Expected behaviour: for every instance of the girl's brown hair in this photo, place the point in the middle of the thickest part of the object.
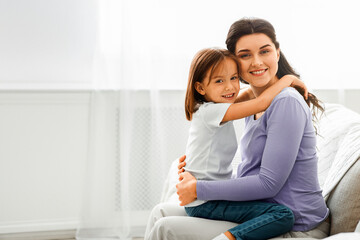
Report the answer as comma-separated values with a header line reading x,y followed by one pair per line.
x,y
204,62
247,26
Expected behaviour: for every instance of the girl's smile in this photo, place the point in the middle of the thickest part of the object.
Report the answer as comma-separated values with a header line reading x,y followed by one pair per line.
x,y
229,96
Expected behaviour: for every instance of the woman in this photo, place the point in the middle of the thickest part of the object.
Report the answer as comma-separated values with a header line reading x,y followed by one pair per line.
x,y
278,150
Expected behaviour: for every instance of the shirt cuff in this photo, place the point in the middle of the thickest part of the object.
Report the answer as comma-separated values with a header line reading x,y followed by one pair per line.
x,y
200,193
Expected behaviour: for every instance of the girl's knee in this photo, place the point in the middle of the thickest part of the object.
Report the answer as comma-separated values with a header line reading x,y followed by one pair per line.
x,y
289,214
288,218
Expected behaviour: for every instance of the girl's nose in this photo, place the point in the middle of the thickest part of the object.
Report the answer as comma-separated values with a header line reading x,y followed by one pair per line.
x,y
229,86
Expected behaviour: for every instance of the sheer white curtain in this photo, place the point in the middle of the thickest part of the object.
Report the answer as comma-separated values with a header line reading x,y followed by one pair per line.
x,y
143,53
134,121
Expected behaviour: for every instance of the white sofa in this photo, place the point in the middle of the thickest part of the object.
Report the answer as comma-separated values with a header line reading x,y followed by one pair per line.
x,y
339,170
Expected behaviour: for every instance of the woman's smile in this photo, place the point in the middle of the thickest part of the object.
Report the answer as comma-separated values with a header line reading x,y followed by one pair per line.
x,y
258,72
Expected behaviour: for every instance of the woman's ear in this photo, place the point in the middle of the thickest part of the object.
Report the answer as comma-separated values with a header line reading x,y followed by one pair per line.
x,y
199,88
278,54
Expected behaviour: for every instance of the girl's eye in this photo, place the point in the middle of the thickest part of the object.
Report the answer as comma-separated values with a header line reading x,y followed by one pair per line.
x,y
234,78
219,81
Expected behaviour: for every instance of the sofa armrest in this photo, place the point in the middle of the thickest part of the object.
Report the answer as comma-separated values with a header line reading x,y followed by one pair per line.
x,y
344,202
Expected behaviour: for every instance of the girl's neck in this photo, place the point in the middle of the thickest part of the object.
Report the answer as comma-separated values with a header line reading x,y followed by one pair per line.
x,y
258,90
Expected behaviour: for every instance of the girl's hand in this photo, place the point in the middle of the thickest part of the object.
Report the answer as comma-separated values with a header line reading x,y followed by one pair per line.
x,y
186,188
297,83
181,165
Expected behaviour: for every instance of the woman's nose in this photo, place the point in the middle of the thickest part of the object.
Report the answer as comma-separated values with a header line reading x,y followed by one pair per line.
x,y
256,61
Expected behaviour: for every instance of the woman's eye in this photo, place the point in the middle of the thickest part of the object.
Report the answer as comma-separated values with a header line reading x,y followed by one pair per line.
x,y
264,51
244,56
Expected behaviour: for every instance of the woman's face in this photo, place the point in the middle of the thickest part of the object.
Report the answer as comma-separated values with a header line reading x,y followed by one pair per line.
x,y
258,59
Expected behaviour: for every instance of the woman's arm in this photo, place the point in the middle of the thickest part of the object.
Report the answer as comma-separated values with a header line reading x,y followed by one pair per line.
x,y
244,109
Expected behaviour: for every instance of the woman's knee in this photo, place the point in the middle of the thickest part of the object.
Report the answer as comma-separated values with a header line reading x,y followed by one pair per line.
x,y
168,209
162,230
163,210
157,211
156,214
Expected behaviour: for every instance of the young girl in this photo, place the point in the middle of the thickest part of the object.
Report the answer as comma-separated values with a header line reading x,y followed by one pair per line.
x,y
211,105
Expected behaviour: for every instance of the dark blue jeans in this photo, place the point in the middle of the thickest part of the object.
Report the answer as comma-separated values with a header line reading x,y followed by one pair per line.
x,y
258,220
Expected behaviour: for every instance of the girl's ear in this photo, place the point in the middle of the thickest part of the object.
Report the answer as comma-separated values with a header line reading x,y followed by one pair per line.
x,y
199,88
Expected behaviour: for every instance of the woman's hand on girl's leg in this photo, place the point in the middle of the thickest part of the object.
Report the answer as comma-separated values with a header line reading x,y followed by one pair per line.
x,y
186,188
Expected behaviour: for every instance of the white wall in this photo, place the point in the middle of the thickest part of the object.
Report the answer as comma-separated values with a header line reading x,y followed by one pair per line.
x,y
347,97
47,44
43,150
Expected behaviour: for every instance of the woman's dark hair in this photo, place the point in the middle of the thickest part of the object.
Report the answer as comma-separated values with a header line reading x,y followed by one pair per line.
x,y
247,26
205,61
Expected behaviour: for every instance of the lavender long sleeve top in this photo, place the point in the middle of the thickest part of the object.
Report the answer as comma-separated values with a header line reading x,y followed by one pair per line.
x,y
279,163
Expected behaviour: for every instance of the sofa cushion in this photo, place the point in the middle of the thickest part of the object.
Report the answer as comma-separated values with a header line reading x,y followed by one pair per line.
x,y
344,202
338,145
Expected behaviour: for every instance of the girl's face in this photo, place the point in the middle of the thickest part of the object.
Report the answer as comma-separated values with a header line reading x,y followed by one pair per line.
x,y
258,58
223,86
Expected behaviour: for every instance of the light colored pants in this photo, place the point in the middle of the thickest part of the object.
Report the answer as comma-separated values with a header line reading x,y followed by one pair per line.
x,y
168,221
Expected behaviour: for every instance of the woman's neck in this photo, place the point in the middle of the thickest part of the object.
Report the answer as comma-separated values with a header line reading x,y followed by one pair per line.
x,y
258,90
